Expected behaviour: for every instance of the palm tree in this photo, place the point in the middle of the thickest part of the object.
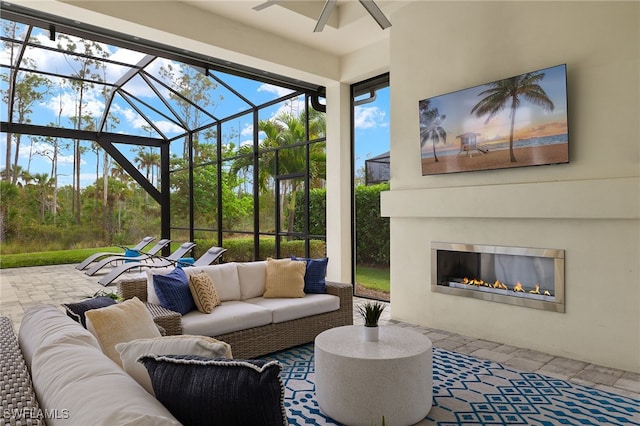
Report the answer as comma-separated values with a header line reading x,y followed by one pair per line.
x,y
281,132
507,92
430,126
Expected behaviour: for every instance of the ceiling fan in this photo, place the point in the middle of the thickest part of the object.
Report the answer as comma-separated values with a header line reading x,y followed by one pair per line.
x,y
328,7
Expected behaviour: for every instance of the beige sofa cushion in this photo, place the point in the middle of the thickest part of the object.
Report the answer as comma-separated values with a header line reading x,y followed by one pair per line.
x,y
119,323
77,382
225,278
226,318
287,309
169,345
252,276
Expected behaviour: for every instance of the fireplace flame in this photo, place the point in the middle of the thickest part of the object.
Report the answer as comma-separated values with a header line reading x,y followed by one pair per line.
x,y
500,285
518,287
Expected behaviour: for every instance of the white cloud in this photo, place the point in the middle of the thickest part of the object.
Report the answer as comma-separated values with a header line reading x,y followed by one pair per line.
x,y
279,91
293,106
168,127
247,130
369,117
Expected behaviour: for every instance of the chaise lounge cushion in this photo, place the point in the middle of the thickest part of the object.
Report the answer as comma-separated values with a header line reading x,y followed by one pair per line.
x,y
119,323
176,345
228,317
74,380
202,391
285,309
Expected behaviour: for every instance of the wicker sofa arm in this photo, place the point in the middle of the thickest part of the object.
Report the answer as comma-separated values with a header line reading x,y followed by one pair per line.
x,y
19,403
345,292
134,287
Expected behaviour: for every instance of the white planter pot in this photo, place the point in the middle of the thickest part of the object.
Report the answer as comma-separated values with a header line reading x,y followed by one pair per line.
x,y
371,334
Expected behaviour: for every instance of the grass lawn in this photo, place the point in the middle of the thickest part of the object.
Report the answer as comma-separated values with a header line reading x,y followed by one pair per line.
x,y
59,257
375,278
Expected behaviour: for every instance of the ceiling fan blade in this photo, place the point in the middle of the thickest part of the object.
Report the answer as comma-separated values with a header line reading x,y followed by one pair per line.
x,y
266,4
376,13
324,15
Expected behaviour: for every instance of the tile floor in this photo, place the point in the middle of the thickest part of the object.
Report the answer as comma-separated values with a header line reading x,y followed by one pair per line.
x,y
21,288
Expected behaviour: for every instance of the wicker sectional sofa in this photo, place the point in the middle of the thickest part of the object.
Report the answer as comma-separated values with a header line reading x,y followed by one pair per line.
x,y
55,373
292,321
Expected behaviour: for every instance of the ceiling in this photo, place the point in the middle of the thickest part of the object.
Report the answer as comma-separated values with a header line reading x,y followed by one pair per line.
x,y
349,28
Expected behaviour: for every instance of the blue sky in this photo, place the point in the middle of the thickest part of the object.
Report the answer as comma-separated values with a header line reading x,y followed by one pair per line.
x,y
372,120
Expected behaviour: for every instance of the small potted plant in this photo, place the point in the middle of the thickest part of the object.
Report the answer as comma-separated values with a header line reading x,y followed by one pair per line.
x,y
370,312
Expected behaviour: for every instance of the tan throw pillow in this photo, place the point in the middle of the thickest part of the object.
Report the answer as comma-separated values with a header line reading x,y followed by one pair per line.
x,y
204,292
285,278
169,345
122,322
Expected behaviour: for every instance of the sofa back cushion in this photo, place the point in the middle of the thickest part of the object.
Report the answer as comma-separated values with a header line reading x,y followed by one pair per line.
x,y
225,278
47,325
252,276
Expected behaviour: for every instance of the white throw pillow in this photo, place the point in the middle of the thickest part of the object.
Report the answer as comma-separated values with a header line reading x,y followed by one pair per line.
x,y
169,345
252,276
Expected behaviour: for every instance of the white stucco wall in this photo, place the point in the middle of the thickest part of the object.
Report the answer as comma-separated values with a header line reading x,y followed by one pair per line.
x,y
589,207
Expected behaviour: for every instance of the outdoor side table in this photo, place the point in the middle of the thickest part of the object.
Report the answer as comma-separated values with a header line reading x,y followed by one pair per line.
x,y
359,382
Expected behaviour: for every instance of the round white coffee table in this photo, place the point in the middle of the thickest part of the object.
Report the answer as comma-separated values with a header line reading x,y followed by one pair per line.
x,y
359,382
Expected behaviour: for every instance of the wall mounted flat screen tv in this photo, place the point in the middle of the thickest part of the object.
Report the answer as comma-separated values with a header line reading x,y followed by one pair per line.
x,y
513,122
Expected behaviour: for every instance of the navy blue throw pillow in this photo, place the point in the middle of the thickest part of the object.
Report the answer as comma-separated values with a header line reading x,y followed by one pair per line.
x,y
77,310
206,391
314,276
173,291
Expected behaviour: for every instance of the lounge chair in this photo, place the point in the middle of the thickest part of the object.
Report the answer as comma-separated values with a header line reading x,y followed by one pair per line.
x,y
96,256
120,258
158,262
210,256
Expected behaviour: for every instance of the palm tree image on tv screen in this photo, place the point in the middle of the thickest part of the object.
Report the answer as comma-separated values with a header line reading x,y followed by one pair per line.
x,y
514,122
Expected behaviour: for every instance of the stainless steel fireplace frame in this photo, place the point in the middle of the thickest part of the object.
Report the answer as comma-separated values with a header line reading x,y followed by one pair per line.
x,y
558,256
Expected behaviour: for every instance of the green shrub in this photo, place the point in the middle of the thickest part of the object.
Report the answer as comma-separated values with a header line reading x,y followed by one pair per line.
x,y
372,231
240,249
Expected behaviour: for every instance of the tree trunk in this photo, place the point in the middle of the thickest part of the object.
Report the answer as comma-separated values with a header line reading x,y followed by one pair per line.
x,y
105,188
14,180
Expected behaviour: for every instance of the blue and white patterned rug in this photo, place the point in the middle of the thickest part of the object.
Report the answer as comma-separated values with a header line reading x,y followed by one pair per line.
x,y
470,391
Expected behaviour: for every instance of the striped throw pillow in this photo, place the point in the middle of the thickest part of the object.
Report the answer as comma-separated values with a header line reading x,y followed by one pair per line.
x,y
204,292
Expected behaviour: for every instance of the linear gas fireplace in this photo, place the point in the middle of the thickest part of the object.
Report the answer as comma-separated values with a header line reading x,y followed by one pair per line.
x,y
529,277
